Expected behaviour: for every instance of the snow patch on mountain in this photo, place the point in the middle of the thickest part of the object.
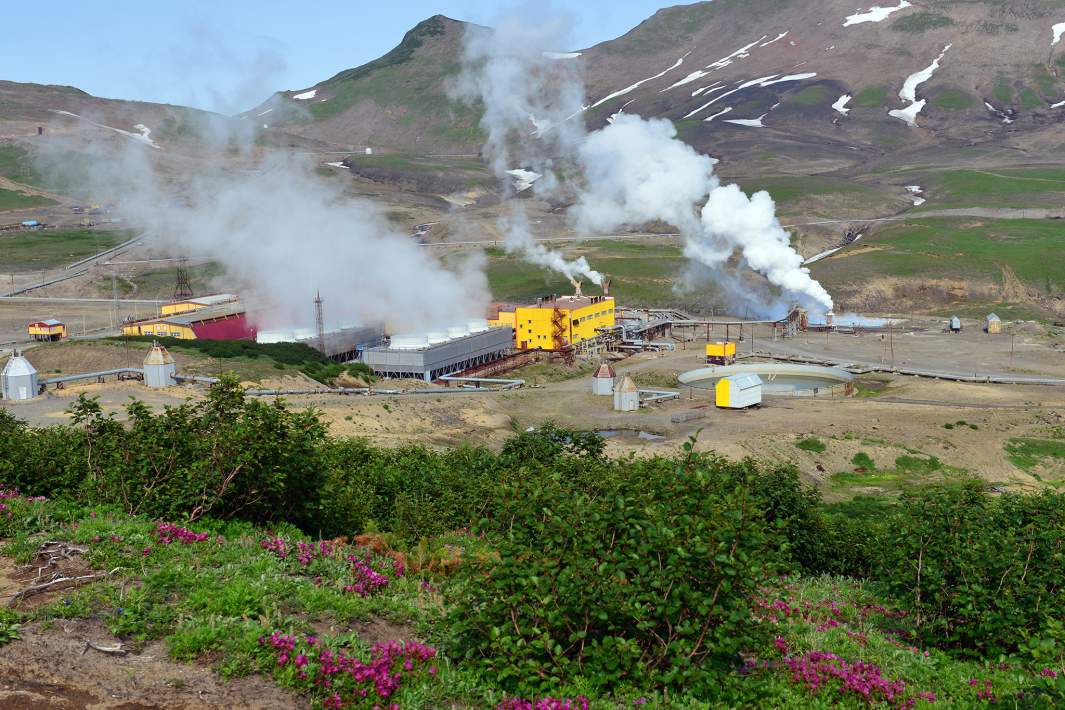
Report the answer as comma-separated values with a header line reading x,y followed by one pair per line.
x,y
909,91
875,14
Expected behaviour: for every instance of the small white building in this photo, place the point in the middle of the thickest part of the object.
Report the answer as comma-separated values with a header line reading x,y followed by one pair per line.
x,y
159,367
626,395
738,391
603,380
955,324
18,380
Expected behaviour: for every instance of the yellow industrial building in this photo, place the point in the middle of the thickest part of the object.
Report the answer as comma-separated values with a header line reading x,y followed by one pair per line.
x,y
225,321
194,304
50,329
557,323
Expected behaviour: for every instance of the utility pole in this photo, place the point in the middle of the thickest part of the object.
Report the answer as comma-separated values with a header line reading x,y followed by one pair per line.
x,y
1012,335
319,321
891,341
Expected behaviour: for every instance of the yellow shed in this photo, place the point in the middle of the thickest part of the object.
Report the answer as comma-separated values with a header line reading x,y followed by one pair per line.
x,y
50,329
993,324
738,391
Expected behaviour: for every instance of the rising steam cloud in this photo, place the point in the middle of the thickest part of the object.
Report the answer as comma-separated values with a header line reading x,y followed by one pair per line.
x,y
637,171
529,101
282,234
633,171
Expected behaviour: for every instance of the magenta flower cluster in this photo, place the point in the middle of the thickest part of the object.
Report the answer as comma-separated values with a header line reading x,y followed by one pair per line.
x,y
985,692
366,579
578,703
276,545
10,493
817,669
168,533
348,681
308,552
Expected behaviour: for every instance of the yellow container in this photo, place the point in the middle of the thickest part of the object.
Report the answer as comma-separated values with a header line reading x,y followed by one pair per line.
x,y
721,349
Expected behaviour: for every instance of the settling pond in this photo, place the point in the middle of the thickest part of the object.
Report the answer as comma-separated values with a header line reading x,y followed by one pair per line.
x,y
779,379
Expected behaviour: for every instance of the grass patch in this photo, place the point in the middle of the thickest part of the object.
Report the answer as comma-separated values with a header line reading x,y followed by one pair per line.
x,y
11,200
953,100
16,164
810,96
972,250
542,373
159,283
863,460
1003,92
643,273
811,444
30,250
1031,100
871,97
921,22
1026,453
791,189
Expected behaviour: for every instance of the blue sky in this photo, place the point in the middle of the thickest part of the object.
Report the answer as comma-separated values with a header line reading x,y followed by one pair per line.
x,y
228,55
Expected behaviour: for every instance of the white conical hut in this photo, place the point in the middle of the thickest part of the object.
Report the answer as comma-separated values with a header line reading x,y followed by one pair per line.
x,y
603,380
626,395
18,379
159,367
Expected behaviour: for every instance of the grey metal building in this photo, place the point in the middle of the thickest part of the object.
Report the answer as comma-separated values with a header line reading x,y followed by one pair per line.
x,y
418,357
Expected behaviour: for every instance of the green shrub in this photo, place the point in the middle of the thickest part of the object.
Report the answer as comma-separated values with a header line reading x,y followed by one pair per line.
x,y
979,573
643,580
811,444
863,460
227,456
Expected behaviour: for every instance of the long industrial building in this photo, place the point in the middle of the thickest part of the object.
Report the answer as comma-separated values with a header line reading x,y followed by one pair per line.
x,y
341,343
225,321
432,355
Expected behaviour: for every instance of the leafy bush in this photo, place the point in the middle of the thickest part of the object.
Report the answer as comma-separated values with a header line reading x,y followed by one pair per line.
x,y
864,460
227,456
645,579
980,573
811,444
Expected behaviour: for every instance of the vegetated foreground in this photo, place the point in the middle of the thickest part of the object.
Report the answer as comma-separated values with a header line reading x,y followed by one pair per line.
x,y
233,532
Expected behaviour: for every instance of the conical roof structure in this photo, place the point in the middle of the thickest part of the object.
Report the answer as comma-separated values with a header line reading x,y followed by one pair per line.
x,y
604,371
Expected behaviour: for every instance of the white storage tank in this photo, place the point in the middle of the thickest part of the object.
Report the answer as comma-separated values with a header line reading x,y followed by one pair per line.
x,y
738,391
18,380
603,380
626,395
159,367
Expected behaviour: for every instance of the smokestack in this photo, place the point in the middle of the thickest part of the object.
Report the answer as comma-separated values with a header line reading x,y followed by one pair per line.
x,y
576,287
606,286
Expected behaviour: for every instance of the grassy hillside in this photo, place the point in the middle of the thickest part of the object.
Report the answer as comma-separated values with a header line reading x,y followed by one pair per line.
x,y
48,248
11,200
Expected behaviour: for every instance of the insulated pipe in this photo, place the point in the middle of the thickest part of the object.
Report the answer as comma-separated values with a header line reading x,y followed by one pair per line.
x,y
91,375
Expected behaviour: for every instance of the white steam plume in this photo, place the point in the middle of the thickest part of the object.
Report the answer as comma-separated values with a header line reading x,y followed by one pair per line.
x,y
519,239
282,234
529,98
637,171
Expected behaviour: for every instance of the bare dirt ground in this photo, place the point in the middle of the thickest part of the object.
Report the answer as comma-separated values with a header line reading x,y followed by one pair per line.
x,y
52,664
51,668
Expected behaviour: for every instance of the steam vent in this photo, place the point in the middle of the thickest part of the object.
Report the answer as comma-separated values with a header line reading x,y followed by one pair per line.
x,y
18,380
159,367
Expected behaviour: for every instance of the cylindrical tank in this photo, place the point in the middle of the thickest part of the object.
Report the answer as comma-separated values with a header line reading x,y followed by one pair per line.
x,y
18,380
159,367
409,341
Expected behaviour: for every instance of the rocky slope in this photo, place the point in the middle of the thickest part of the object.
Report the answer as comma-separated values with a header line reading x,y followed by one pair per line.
x,y
743,75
